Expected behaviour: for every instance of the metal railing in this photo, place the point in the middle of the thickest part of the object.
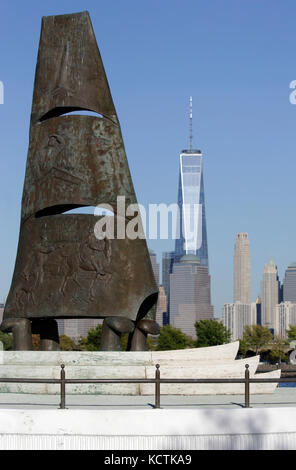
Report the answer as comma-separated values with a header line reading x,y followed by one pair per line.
x,y
157,381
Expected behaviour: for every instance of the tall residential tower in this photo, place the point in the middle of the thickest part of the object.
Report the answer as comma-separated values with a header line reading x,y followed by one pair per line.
x,y
290,284
269,294
242,269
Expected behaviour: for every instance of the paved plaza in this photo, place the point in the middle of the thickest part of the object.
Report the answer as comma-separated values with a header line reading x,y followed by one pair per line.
x,y
282,397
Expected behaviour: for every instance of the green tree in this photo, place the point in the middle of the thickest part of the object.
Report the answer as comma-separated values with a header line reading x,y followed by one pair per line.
x,y
291,332
67,343
257,338
211,333
151,343
7,340
243,347
93,340
278,349
171,338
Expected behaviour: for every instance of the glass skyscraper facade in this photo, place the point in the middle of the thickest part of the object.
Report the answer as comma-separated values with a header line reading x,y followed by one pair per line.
x,y
192,236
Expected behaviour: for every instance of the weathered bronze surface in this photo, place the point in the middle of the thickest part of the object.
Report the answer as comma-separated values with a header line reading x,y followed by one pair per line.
x,y
62,270
21,331
113,328
75,161
139,337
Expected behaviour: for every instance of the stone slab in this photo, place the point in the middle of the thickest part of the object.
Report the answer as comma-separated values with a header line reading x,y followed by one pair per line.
x,y
227,370
221,353
234,369
225,352
72,372
73,358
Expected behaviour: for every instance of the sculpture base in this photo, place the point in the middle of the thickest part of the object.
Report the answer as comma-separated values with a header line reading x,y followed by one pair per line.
x,y
214,362
133,429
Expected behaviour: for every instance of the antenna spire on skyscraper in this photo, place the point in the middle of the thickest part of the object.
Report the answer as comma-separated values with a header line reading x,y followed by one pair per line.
x,y
190,123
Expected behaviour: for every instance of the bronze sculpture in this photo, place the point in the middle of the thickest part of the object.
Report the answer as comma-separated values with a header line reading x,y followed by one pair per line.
x,y
62,269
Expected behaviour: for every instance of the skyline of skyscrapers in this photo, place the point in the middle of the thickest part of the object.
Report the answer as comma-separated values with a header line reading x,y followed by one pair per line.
x,y
275,309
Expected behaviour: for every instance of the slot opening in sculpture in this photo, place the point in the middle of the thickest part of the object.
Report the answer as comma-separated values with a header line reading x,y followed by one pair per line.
x,y
58,209
63,111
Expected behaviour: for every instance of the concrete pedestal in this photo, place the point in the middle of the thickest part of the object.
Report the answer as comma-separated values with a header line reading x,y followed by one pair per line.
x,y
178,429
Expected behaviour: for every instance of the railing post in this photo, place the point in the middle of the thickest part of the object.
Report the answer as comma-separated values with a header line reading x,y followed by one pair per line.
x,y
63,388
157,386
247,387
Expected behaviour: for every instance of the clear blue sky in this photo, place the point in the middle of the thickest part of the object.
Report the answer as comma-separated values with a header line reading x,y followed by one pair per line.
x,y
235,58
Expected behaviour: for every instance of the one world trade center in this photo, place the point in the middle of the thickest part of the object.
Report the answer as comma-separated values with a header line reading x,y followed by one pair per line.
x,y
192,230
190,282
